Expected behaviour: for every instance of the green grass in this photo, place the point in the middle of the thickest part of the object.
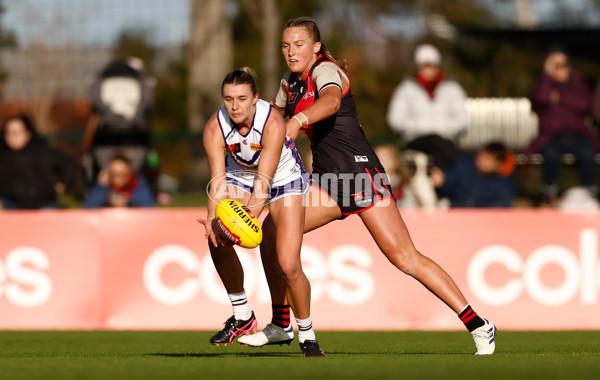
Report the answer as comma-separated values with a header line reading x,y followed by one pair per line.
x,y
350,355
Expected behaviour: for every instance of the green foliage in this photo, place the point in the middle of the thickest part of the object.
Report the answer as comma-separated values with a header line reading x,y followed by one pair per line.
x,y
135,43
293,9
170,106
7,40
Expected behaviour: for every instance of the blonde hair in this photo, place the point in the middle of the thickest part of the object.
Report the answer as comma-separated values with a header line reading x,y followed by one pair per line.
x,y
244,75
312,28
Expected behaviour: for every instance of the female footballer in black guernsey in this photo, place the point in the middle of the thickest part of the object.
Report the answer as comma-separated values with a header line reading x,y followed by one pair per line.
x,y
316,96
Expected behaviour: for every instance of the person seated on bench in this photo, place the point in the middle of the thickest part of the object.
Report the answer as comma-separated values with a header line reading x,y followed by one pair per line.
x,y
481,180
429,110
562,100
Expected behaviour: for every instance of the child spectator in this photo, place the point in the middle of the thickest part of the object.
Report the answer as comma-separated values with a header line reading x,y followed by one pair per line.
x,y
32,173
118,186
482,180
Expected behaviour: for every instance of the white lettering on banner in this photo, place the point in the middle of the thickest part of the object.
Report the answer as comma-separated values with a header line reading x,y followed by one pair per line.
x,y
161,257
581,275
363,282
23,277
347,265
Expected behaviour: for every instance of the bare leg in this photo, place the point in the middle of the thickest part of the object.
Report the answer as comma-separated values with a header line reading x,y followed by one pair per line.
x,y
228,267
385,224
226,260
288,217
319,210
268,255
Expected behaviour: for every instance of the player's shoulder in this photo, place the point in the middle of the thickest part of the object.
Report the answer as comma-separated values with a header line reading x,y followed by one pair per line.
x,y
212,125
326,67
286,77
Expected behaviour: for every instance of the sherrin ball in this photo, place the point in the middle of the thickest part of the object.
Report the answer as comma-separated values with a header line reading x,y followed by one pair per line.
x,y
238,223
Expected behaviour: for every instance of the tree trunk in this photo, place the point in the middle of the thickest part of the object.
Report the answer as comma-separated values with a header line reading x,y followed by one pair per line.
x,y
210,59
271,54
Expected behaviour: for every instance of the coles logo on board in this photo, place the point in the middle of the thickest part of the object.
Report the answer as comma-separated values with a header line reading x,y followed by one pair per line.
x,y
580,279
24,279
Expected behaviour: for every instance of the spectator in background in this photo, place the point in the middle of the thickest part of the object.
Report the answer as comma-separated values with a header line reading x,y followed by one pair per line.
x,y
562,101
398,174
428,110
596,104
32,173
122,96
119,186
481,180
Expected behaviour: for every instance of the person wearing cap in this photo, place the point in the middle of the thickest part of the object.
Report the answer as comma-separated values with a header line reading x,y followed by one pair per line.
x,y
428,109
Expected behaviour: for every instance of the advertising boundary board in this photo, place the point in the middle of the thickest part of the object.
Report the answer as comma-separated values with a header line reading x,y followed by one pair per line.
x,y
151,269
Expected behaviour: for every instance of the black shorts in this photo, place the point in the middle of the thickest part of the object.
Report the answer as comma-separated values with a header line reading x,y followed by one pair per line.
x,y
355,192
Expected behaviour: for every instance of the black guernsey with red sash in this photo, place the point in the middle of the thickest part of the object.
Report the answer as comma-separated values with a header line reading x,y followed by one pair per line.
x,y
338,142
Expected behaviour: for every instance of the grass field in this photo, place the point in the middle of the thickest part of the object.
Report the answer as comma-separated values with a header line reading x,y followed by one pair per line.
x,y
350,355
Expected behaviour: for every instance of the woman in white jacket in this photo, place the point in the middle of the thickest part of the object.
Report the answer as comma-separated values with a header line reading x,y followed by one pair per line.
x,y
428,110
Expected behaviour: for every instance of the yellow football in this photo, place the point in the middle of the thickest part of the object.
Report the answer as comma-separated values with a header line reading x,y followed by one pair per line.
x,y
238,223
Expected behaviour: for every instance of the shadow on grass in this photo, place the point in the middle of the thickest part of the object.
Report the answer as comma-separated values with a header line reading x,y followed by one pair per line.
x,y
225,354
294,354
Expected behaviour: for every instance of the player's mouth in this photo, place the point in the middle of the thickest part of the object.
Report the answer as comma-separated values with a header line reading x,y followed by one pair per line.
x,y
292,63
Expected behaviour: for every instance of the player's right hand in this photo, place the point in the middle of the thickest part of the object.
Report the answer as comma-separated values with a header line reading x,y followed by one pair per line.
x,y
214,233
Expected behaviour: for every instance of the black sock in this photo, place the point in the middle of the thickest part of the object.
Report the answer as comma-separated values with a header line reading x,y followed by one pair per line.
x,y
470,318
281,315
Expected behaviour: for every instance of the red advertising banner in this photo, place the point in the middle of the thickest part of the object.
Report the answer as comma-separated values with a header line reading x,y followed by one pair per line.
x,y
151,269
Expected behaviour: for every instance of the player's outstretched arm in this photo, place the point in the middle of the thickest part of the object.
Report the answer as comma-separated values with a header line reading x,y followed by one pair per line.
x,y
214,145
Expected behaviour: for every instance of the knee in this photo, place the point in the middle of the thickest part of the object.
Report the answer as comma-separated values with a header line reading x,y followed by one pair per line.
x,y
551,154
586,155
407,260
291,270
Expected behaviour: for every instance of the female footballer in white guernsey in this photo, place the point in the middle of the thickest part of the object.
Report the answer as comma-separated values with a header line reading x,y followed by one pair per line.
x,y
262,165
317,97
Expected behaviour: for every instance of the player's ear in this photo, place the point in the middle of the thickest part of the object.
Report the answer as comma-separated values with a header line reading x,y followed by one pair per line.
x,y
316,47
255,99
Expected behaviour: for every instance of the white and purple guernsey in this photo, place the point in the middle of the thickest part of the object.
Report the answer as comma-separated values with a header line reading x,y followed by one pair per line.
x,y
243,153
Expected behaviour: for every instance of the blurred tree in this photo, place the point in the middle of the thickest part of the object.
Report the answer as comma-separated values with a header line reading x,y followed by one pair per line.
x,y
265,17
263,34
210,58
135,43
7,39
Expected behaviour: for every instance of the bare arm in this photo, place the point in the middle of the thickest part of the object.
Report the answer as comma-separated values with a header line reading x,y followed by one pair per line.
x,y
272,144
214,145
330,99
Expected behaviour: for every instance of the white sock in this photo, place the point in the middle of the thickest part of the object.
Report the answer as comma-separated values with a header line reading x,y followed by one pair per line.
x,y
241,309
305,330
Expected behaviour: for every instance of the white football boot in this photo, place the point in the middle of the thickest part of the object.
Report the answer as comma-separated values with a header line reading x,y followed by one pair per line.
x,y
484,338
271,334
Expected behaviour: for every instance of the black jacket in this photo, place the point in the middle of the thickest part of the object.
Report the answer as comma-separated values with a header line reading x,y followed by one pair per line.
x,y
27,176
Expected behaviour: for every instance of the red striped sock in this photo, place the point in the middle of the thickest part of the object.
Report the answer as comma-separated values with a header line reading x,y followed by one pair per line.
x,y
470,318
281,315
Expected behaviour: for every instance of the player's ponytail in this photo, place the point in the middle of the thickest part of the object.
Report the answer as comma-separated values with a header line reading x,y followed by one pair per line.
x,y
244,75
312,28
